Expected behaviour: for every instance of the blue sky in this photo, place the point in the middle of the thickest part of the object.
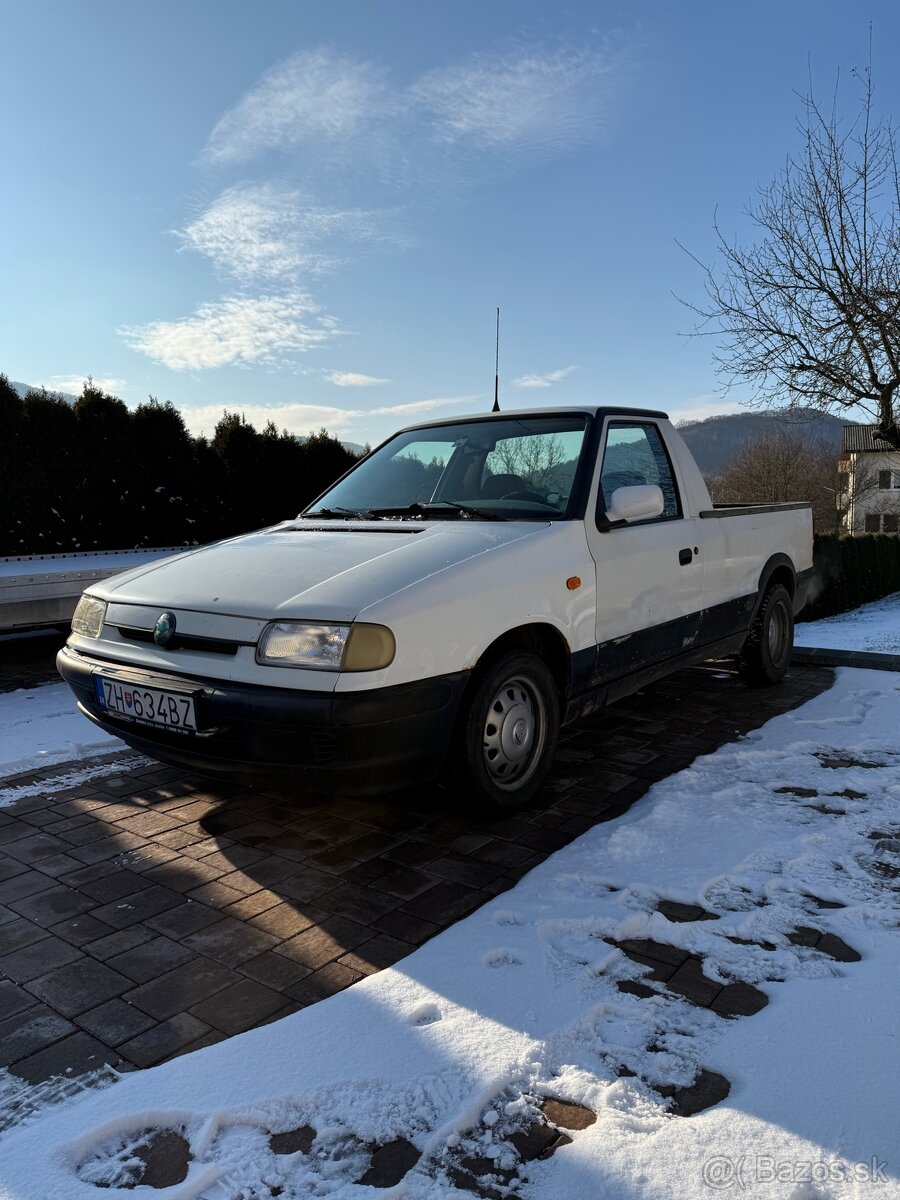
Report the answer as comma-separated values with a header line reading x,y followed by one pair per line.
x,y
309,211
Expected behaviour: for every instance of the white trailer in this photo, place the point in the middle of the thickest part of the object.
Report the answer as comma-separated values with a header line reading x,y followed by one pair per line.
x,y
42,589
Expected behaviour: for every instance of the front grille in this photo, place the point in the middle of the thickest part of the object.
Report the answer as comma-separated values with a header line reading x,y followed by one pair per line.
x,y
180,641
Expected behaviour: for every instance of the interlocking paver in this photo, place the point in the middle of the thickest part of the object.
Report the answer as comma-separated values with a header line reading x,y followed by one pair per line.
x,y
80,930
54,904
115,1022
251,903
406,927
129,910
230,941
17,933
240,1006
376,954
14,999
115,883
37,959
151,959
29,1031
79,986
185,918
274,970
73,1055
333,977
287,920
325,942
38,846
182,988
24,883
10,867
118,942
164,1040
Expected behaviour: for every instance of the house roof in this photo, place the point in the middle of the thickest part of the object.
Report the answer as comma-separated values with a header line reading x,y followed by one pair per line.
x,y
856,439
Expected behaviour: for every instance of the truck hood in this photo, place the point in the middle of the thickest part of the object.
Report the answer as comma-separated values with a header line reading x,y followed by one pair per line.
x,y
319,573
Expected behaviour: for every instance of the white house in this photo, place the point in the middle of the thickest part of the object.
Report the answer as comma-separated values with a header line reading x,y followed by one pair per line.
x,y
871,482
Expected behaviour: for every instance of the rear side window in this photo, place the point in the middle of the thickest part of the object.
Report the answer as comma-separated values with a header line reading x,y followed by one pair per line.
x,y
634,454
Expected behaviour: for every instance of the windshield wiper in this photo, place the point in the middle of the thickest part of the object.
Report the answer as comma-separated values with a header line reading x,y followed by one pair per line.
x,y
439,507
338,513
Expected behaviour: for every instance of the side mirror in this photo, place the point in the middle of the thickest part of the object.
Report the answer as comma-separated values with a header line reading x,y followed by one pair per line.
x,y
640,503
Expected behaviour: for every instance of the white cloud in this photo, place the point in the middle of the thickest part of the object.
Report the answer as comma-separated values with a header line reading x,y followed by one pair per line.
x,y
238,329
543,381
418,406
74,383
698,408
315,95
271,231
526,99
301,418
295,418
353,379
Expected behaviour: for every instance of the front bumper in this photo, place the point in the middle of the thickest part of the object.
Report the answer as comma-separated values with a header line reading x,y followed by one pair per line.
x,y
350,742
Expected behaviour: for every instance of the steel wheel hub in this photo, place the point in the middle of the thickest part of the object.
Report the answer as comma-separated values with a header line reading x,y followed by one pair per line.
x,y
777,633
514,733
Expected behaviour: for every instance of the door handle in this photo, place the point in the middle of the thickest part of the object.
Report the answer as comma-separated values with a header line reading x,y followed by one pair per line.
x,y
685,556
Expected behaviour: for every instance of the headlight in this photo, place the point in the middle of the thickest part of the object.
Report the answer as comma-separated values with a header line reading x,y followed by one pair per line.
x,y
89,616
326,647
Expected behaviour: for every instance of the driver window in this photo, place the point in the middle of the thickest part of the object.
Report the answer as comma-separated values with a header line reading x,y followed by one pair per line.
x,y
634,455
538,464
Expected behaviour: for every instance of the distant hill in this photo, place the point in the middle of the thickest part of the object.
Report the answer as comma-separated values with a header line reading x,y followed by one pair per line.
x,y
24,388
716,441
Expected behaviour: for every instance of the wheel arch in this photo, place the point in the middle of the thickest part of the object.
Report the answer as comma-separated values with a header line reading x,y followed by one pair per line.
x,y
542,639
778,569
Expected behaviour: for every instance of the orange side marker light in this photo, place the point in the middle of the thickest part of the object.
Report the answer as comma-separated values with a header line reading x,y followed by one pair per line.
x,y
573,582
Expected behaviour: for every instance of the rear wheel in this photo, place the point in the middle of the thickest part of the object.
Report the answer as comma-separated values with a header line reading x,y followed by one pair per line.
x,y
508,732
767,652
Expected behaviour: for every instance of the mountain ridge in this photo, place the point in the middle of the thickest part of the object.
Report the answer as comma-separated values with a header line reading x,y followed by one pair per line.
x,y
716,441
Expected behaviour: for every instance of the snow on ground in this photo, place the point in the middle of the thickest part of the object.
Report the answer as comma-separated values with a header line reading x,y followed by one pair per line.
x,y
41,726
874,627
796,825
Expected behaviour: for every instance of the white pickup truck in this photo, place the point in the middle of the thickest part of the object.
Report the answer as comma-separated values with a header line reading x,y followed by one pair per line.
x,y
459,594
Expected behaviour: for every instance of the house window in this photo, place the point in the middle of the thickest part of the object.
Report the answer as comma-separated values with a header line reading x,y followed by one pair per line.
x,y
891,523
884,480
873,522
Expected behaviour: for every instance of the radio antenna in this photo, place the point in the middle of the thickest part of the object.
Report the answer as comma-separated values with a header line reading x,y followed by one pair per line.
x,y
496,407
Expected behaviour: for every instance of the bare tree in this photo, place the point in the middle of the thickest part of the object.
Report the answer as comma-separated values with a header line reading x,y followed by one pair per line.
x,y
536,458
810,312
782,466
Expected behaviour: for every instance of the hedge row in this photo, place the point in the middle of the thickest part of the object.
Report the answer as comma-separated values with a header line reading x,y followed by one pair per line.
x,y
850,571
95,475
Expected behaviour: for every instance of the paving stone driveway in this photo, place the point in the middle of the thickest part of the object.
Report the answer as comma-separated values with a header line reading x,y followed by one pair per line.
x,y
150,913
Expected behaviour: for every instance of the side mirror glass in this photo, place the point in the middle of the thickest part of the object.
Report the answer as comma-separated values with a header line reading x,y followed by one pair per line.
x,y
640,503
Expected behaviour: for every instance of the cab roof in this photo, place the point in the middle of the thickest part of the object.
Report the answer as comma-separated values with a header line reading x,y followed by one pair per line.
x,y
592,410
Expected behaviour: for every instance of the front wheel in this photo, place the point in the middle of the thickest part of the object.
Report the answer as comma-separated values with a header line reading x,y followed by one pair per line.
x,y
767,651
508,732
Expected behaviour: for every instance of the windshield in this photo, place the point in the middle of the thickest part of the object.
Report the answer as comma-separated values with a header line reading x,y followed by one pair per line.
x,y
503,468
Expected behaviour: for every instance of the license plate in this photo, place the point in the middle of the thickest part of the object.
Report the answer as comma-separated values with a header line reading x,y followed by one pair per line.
x,y
148,705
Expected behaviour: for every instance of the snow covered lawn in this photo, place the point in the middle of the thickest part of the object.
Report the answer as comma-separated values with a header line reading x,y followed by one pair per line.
x,y
445,1060
41,726
874,627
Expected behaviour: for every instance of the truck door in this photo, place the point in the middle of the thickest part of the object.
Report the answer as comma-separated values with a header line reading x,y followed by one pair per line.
x,y
649,573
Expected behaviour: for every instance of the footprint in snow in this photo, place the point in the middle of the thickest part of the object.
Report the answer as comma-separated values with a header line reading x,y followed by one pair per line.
x,y
502,958
425,1014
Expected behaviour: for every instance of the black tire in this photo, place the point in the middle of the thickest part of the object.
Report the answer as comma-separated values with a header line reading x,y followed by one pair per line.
x,y
766,655
504,761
